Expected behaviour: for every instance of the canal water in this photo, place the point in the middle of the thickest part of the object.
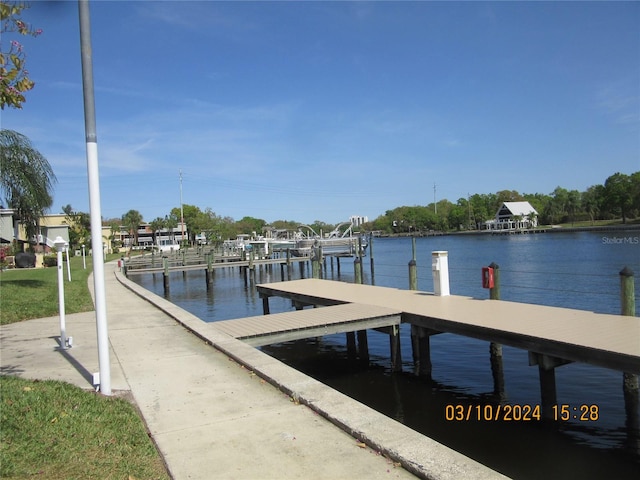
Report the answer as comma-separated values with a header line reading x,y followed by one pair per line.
x,y
575,270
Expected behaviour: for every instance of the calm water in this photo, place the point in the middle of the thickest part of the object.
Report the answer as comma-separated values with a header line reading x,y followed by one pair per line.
x,y
574,270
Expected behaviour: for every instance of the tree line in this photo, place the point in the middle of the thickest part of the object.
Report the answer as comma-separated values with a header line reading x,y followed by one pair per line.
x,y
617,198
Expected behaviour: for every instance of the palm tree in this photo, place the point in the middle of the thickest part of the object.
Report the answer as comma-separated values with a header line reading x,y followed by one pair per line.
x,y
132,220
156,225
26,179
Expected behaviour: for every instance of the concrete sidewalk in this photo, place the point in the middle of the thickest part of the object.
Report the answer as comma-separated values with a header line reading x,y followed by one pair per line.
x,y
217,408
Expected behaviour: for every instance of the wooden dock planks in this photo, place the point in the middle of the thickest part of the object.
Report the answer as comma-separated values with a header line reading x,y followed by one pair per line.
x,y
314,322
611,341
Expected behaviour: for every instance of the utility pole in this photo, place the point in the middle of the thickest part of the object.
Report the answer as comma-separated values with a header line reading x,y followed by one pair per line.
x,y
435,205
94,197
181,210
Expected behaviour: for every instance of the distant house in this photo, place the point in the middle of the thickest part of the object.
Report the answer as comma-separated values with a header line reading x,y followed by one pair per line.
x,y
51,226
165,237
514,215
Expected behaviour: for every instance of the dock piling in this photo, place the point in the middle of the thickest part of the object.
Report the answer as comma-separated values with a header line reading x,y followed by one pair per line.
x,y
495,349
165,274
630,383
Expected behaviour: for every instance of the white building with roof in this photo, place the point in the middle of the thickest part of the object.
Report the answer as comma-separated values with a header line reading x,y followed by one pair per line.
x,y
514,215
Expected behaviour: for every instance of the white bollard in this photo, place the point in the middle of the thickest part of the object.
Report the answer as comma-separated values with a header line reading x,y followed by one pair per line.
x,y
440,271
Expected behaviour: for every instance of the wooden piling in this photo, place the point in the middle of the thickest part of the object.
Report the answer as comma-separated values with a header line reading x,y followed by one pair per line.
x,y
209,270
630,383
363,347
373,281
413,275
421,346
165,274
357,270
548,395
351,346
420,340
396,353
495,349
363,343
494,293
315,263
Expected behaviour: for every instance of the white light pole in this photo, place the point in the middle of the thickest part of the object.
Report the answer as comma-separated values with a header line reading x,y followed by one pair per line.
x,y
94,197
59,244
84,260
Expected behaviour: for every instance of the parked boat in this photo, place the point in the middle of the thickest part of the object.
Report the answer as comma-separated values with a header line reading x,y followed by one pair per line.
x,y
340,242
168,245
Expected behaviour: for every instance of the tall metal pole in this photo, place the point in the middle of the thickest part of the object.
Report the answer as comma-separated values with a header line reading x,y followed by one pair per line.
x,y
435,204
94,197
181,211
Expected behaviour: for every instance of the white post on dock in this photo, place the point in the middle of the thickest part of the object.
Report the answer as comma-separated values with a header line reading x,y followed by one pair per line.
x,y
440,270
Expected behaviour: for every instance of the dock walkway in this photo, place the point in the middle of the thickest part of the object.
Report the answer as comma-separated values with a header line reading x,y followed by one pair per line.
x,y
283,327
610,341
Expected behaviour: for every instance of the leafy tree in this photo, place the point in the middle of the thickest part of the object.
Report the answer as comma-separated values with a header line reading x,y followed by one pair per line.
x,y
132,220
618,195
635,192
171,222
591,201
79,226
250,224
14,78
156,224
573,204
26,179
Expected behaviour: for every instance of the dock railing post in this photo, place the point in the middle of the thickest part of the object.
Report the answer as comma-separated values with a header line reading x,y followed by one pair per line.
x,y
630,384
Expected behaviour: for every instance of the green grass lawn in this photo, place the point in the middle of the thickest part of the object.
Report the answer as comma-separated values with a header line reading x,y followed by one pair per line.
x,y
27,293
54,430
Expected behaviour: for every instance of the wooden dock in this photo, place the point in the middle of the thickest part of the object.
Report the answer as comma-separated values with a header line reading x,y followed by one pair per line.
x,y
219,263
282,327
610,341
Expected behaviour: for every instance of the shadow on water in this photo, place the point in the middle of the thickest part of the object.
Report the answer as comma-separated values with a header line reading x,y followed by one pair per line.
x,y
526,449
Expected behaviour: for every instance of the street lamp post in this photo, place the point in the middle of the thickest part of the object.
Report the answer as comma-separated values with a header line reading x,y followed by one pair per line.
x,y
84,260
59,244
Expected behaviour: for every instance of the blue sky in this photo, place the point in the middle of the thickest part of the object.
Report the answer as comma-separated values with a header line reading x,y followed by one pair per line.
x,y
321,110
